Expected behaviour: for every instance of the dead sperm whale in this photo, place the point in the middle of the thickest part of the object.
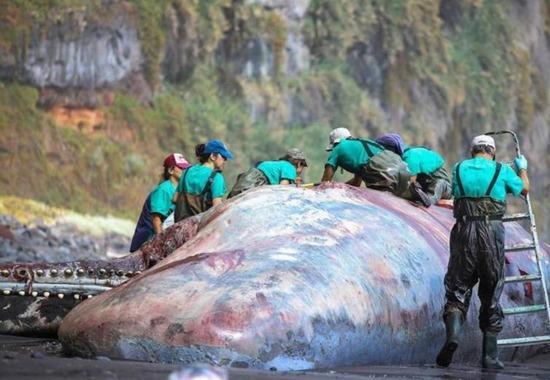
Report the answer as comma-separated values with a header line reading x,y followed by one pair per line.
x,y
289,278
35,297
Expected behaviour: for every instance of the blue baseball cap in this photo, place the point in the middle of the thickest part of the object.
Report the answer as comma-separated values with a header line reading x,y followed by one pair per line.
x,y
216,146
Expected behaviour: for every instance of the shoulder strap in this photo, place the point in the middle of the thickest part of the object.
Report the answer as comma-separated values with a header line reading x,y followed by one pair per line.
x,y
183,185
374,143
494,180
208,185
367,144
459,181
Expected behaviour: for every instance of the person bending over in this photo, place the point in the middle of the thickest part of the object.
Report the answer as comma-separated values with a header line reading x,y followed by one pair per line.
x,y
284,171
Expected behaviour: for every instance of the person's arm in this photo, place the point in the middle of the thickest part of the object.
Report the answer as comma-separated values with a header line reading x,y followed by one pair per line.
x,y
161,207
157,223
525,179
521,165
355,181
328,174
287,172
331,166
217,189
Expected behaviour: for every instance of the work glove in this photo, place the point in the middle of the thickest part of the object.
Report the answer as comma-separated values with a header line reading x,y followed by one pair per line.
x,y
521,162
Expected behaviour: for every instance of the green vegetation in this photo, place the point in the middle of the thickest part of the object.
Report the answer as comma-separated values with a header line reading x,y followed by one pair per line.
x,y
482,62
470,76
28,211
150,15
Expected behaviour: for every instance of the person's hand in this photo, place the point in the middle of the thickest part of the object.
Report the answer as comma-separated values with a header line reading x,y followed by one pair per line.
x,y
298,181
521,162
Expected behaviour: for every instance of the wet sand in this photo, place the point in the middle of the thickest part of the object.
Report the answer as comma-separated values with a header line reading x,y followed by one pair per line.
x,y
29,358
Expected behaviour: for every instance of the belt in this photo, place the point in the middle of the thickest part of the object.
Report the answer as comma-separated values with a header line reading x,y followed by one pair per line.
x,y
478,218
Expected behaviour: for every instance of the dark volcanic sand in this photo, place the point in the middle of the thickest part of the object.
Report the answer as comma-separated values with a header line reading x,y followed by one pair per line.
x,y
29,358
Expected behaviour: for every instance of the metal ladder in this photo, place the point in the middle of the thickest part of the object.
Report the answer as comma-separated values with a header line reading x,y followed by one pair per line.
x,y
540,276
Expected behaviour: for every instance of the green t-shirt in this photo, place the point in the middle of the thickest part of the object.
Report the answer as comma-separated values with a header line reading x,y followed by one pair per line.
x,y
476,175
161,198
276,171
351,155
196,178
422,160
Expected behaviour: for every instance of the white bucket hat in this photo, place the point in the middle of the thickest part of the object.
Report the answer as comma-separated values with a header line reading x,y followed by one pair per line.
x,y
484,140
337,135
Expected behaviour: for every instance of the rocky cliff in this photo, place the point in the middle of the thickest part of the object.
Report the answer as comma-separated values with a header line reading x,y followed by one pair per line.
x,y
119,83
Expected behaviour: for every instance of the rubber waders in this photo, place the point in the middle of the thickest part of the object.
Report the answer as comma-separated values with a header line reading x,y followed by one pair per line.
x,y
490,352
419,194
453,323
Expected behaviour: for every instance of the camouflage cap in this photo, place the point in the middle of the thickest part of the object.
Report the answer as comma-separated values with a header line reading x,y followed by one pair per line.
x,y
295,154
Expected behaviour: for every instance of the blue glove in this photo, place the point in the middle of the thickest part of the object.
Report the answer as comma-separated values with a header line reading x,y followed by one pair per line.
x,y
521,162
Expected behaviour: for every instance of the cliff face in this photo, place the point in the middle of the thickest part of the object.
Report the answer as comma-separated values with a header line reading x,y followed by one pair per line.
x,y
155,76
77,59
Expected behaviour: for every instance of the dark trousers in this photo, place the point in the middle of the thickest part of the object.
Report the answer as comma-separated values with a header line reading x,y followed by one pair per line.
x,y
477,254
437,184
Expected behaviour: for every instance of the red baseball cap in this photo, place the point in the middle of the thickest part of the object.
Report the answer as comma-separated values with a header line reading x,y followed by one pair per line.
x,y
176,159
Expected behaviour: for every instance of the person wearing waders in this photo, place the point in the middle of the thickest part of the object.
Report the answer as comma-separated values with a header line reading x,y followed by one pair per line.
x,y
158,206
429,182
367,160
202,186
285,171
479,187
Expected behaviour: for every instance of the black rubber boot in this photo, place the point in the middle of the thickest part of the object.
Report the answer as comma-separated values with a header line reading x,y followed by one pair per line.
x,y
453,323
489,357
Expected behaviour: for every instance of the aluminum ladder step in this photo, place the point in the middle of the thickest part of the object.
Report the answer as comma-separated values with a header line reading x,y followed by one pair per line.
x,y
525,278
534,247
526,341
519,247
514,217
524,309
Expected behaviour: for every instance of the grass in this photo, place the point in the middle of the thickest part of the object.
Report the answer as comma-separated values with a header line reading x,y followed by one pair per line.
x,y
29,212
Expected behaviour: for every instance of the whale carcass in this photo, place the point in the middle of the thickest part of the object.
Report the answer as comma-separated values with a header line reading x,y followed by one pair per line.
x,y
35,297
290,278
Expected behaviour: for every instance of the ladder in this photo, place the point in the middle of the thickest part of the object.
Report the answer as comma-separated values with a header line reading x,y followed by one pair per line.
x,y
540,276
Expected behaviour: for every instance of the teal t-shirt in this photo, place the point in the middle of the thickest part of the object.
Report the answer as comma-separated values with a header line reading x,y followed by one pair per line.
x,y
476,175
161,199
195,181
351,155
276,171
422,160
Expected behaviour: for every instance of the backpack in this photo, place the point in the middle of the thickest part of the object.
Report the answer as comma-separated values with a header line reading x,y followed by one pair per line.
x,y
188,205
385,170
248,180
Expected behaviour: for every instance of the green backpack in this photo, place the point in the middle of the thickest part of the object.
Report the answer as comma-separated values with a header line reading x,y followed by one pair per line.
x,y
385,171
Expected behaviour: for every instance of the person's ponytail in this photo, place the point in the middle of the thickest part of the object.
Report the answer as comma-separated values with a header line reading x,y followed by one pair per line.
x,y
199,150
165,175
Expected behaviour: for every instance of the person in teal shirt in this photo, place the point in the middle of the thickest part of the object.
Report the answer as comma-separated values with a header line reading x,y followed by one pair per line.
x,y
430,181
158,205
367,160
480,185
202,186
285,171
